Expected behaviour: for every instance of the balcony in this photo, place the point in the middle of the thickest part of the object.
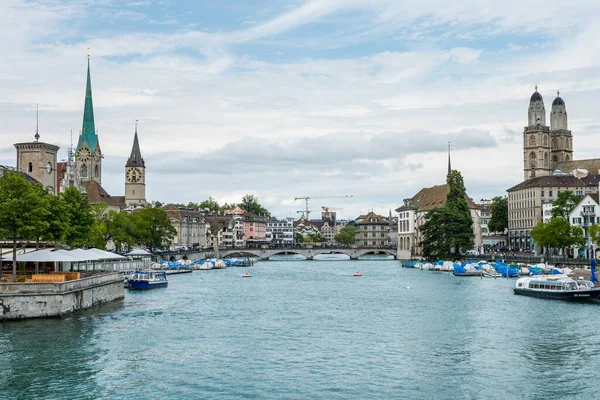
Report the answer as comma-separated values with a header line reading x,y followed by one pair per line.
x,y
591,214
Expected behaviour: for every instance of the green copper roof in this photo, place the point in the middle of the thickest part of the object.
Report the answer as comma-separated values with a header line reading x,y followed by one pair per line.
x,y
88,131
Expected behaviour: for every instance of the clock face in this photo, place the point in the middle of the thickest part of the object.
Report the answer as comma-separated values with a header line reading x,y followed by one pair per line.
x,y
134,175
83,154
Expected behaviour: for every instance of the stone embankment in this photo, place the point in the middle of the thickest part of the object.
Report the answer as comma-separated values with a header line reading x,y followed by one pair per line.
x,y
35,300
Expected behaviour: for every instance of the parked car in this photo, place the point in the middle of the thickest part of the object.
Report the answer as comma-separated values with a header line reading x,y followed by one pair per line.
x,y
471,253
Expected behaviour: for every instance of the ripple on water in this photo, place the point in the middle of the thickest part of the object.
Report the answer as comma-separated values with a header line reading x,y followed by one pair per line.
x,y
310,330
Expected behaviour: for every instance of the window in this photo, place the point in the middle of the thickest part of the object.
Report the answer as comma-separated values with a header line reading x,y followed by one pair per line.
x,y
96,171
550,193
84,171
30,167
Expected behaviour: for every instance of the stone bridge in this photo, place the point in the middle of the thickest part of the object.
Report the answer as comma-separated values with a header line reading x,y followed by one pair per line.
x,y
265,253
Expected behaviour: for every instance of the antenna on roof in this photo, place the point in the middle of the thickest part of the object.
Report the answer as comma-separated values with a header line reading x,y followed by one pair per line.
x,y
37,122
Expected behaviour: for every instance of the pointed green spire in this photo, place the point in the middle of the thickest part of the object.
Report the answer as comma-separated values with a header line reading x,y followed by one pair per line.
x,y
88,130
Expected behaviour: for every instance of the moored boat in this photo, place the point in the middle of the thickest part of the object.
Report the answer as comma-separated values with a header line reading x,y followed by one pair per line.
x,y
144,280
558,288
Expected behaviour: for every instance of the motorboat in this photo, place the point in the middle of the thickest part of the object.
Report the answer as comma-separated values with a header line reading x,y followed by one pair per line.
x,y
558,287
144,280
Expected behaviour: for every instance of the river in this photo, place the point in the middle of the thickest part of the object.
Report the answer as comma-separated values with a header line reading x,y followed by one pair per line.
x,y
310,330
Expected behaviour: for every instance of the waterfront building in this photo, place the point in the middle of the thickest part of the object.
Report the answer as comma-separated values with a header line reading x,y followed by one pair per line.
x,y
411,215
280,232
490,240
547,212
255,228
527,199
305,228
192,229
585,214
221,231
371,230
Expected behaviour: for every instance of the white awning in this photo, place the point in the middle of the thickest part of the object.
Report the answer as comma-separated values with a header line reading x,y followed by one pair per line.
x,y
104,255
45,256
139,252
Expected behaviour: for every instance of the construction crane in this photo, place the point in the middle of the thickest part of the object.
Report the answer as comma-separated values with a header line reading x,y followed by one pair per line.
x,y
327,209
307,198
304,211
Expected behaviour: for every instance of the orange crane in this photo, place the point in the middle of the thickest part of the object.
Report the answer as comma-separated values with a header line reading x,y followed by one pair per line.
x,y
307,198
326,209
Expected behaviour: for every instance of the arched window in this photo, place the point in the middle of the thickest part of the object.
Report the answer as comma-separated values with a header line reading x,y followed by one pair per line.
x,y
532,160
545,140
532,140
554,159
30,167
567,158
84,172
554,143
546,160
96,171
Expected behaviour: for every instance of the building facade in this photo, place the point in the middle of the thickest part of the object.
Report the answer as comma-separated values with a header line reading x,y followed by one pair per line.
x,y
280,233
371,230
528,200
584,215
192,229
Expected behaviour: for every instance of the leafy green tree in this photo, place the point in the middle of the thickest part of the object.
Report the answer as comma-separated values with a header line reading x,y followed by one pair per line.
x,y
317,238
210,204
594,232
557,234
250,203
79,218
299,237
499,220
346,235
154,228
565,202
449,230
20,208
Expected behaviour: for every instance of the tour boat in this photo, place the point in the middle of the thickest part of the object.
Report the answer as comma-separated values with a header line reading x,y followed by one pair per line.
x,y
558,287
144,280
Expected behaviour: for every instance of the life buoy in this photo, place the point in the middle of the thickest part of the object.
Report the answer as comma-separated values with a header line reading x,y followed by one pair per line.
x,y
357,273
246,275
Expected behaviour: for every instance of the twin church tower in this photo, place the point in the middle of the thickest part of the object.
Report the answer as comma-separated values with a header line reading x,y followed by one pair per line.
x,y
546,149
84,166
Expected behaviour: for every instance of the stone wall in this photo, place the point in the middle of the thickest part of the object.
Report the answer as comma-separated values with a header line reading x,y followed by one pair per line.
x,y
34,300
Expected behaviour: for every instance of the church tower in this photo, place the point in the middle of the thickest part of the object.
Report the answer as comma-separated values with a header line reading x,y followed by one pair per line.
x,y
38,160
135,176
536,140
88,154
561,139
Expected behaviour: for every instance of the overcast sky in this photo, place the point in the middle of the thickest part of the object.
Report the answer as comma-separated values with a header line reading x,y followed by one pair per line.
x,y
295,98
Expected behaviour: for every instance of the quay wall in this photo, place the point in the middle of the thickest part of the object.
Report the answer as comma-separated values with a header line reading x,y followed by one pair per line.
x,y
35,300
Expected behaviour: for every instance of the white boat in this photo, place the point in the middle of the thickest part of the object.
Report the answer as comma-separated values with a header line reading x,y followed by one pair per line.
x,y
557,287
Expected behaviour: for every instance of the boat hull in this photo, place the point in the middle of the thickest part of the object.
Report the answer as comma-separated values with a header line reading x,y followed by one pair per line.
x,y
590,296
145,285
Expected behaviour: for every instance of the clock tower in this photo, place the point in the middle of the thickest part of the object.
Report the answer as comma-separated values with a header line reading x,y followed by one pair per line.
x,y
135,176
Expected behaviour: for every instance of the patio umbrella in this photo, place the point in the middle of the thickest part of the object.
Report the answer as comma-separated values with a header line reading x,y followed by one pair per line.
x,y
593,269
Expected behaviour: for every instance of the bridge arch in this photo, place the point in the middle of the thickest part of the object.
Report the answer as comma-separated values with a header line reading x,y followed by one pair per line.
x,y
238,253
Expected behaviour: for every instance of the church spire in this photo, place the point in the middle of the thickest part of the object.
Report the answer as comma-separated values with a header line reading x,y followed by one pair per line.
x,y
88,130
449,164
135,159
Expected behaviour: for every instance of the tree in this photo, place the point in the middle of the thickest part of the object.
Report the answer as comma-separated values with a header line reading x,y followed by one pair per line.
x,y
557,234
449,229
210,205
299,237
250,203
565,202
346,235
499,220
154,228
594,232
20,208
79,218
316,238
